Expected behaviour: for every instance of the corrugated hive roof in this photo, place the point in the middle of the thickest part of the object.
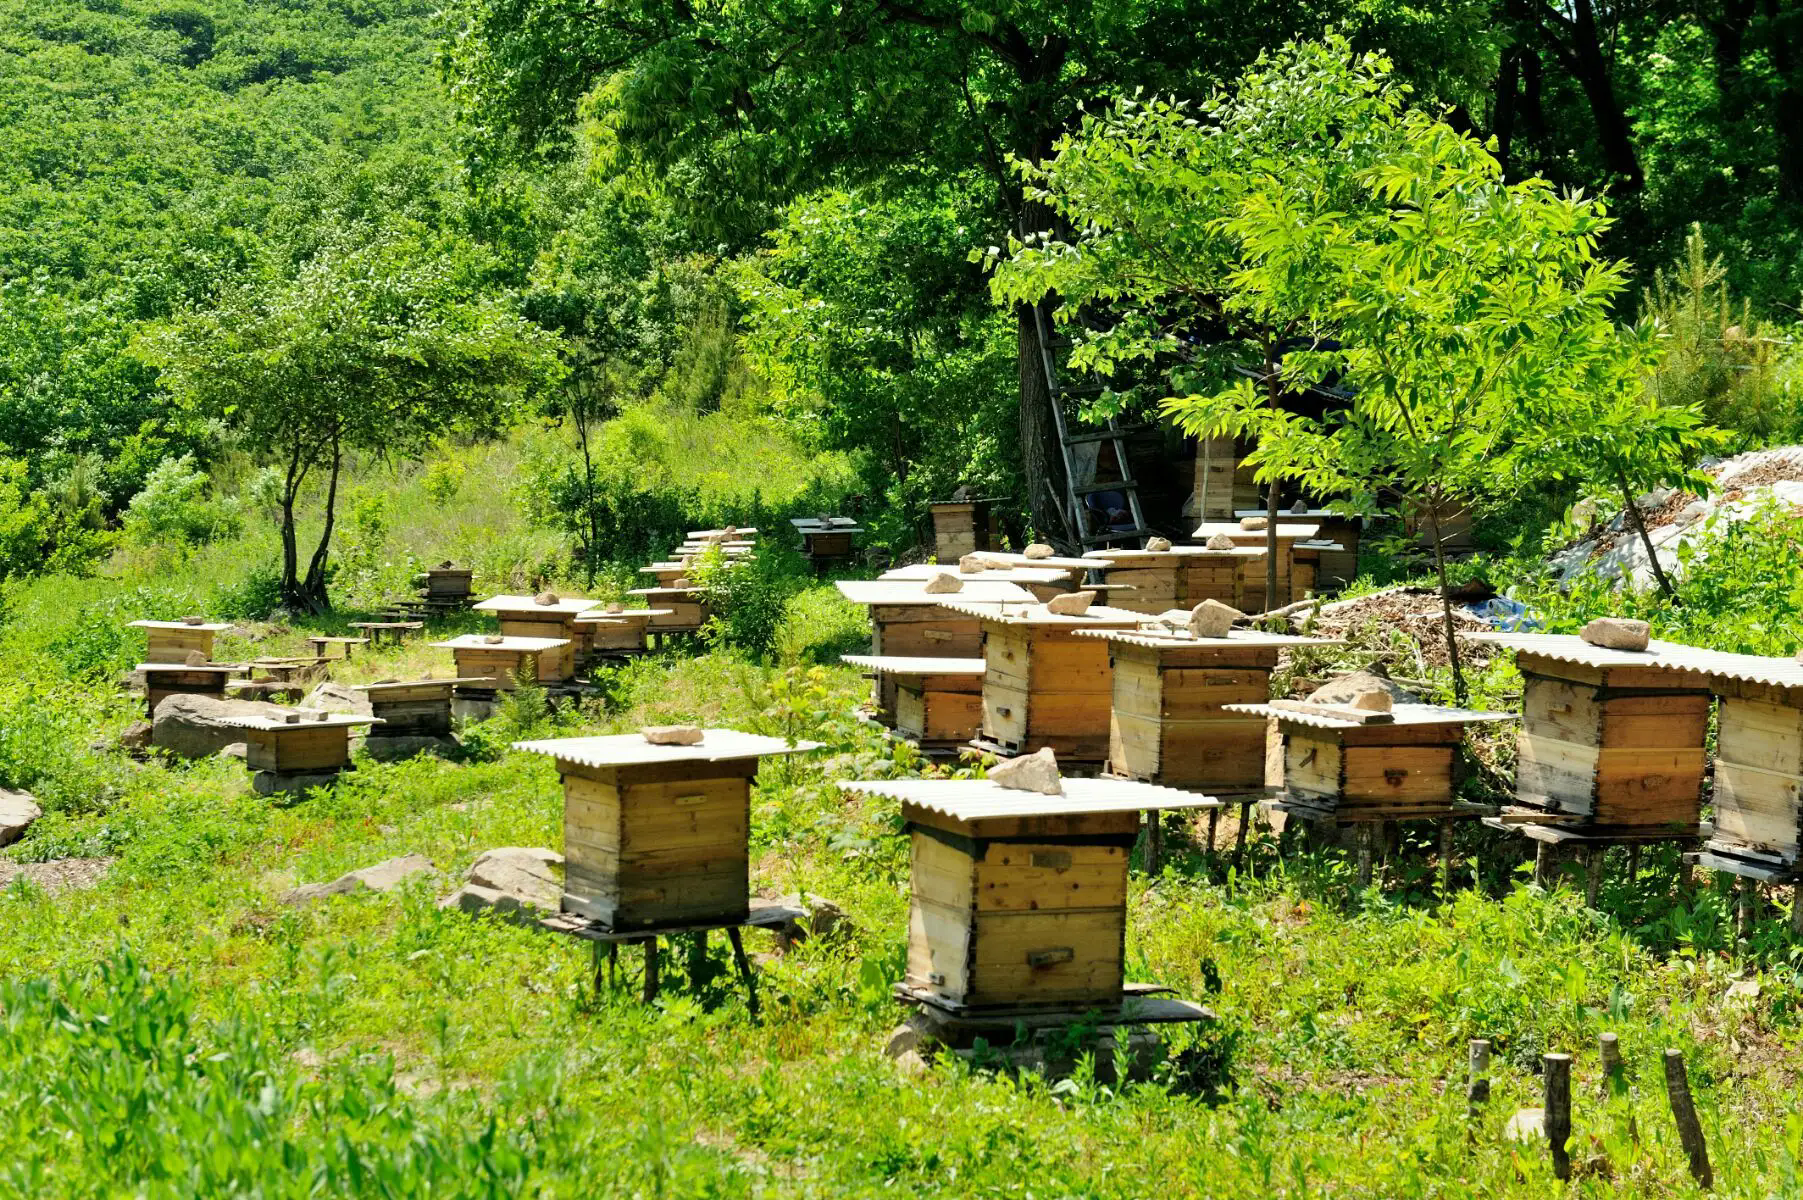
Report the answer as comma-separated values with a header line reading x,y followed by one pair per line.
x,y
573,604
1670,656
977,799
214,626
1286,530
214,668
909,664
1237,639
1099,616
1015,559
913,592
479,641
631,749
395,685
624,617
1114,559
1404,714
919,571
309,720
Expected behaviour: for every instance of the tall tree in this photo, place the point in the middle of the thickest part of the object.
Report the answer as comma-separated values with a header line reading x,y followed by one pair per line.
x,y
748,104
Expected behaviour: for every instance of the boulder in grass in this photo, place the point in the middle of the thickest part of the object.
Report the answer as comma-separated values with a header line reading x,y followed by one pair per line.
x,y
1212,619
1030,773
672,735
943,583
383,877
1070,604
1038,550
1255,523
1219,541
1158,545
194,726
518,883
1617,633
18,810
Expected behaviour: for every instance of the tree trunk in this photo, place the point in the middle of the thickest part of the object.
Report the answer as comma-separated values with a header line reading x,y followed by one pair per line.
x,y
1592,69
1787,65
591,520
291,485
1638,521
1459,692
1502,113
1041,470
313,592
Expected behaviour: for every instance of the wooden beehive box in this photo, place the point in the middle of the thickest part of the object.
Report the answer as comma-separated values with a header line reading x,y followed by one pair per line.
x,y
682,610
1290,586
162,680
907,621
1019,900
299,742
1170,723
658,836
619,632
938,702
830,539
1042,684
525,617
1156,581
1758,789
173,641
960,527
414,707
1611,739
448,585
1399,770
503,660
1337,561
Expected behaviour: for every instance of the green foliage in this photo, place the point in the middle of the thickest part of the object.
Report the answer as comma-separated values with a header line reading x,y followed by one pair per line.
x,y
749,597
22,520
176,506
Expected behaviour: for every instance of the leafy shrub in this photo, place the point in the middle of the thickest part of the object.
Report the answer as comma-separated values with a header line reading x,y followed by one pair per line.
x,y
749,598
22,518
256,597
176,505
98,643
443,480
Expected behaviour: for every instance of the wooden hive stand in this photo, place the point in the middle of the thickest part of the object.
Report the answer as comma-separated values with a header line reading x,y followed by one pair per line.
x,y
960,527
174,641
619,632
165,679
1612,746
1295,574
938,702
297,750
501,660
657,837
393,631
1170,723
907,621
322,645
1156,581
555,619
826,540
1018,905
1043,685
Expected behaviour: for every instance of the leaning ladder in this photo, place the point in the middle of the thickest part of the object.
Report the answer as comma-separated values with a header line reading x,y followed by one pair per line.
x,y
1077,512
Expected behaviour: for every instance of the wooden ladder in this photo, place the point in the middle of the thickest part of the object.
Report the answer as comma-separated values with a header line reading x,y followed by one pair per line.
x,y
1076,511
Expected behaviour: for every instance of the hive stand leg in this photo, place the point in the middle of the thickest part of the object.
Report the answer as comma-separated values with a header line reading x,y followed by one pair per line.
x,y
698,961
1748,902
1633,864
650,993
1214,824
1239,837
1594,859
1543,864
1446,856
1367,836
602,962
613,964
744,965
1796,910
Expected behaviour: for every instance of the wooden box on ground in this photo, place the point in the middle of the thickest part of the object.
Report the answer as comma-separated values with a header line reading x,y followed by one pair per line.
x,y
1019,900
173,641
826,539
298,743
1170,723
1399,770
415,707
448,586
1758,793
504,660
621,632
684,610
1610,739
960,527
1156,581
162,680
938,702
658,835
1042,684
907,621
525,617
1291,585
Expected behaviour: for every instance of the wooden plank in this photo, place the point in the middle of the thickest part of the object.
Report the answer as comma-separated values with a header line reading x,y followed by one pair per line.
x,y
1312,763
1072,956
1023,877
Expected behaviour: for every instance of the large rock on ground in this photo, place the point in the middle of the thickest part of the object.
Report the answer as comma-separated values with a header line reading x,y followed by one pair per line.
x,y
17,812
405,746
383,877
193,726
1346,689
520,883
822,919
337,698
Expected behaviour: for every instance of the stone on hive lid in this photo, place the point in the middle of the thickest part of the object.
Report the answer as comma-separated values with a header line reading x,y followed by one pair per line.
x,y
1030,773
972,564
195,620
942,583
616,607
1038,550
962,494
994,563
545,598
1158,545
1300,508
1346,690
1254,522
493,639
1212,619
1616,633
1219,541
672,735
444,566
1374,702
1070,604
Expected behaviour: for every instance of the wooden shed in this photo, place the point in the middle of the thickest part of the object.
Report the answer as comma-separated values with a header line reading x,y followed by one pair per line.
x,y
1155,581
504,660
174,641
165,679
1171,724
1612,741
961,527
301,742
658,836
1042,684
546,616
1395,766
1019,900
937,702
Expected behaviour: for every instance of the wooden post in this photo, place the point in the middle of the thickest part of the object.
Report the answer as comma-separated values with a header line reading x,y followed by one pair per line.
x,y
1367,835
650,992
1445,856
1610,1047
698,961
1796,910
1558,1110
744,965
1543,864
1477,1077
1684,1111
1214,824
1239,838
1154,841
1745,910
1633,863
1594,858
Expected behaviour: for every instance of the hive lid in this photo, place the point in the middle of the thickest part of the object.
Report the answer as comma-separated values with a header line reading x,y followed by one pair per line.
x,y
1021,560
1099,616
832,524
564,606
211,668
747,530
1287,531
1117,559
1159,638
1670,656
979,799
625,616
508,643
904,592
652,593
210,626
1401,714
310,719
631,749
1290,514
910,664
924,571
396,685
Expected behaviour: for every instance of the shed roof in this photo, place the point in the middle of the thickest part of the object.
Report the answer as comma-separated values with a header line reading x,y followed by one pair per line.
x,y
908,664
508,643
1405,714
631,749
565,605
913,592
1099,616
978,799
